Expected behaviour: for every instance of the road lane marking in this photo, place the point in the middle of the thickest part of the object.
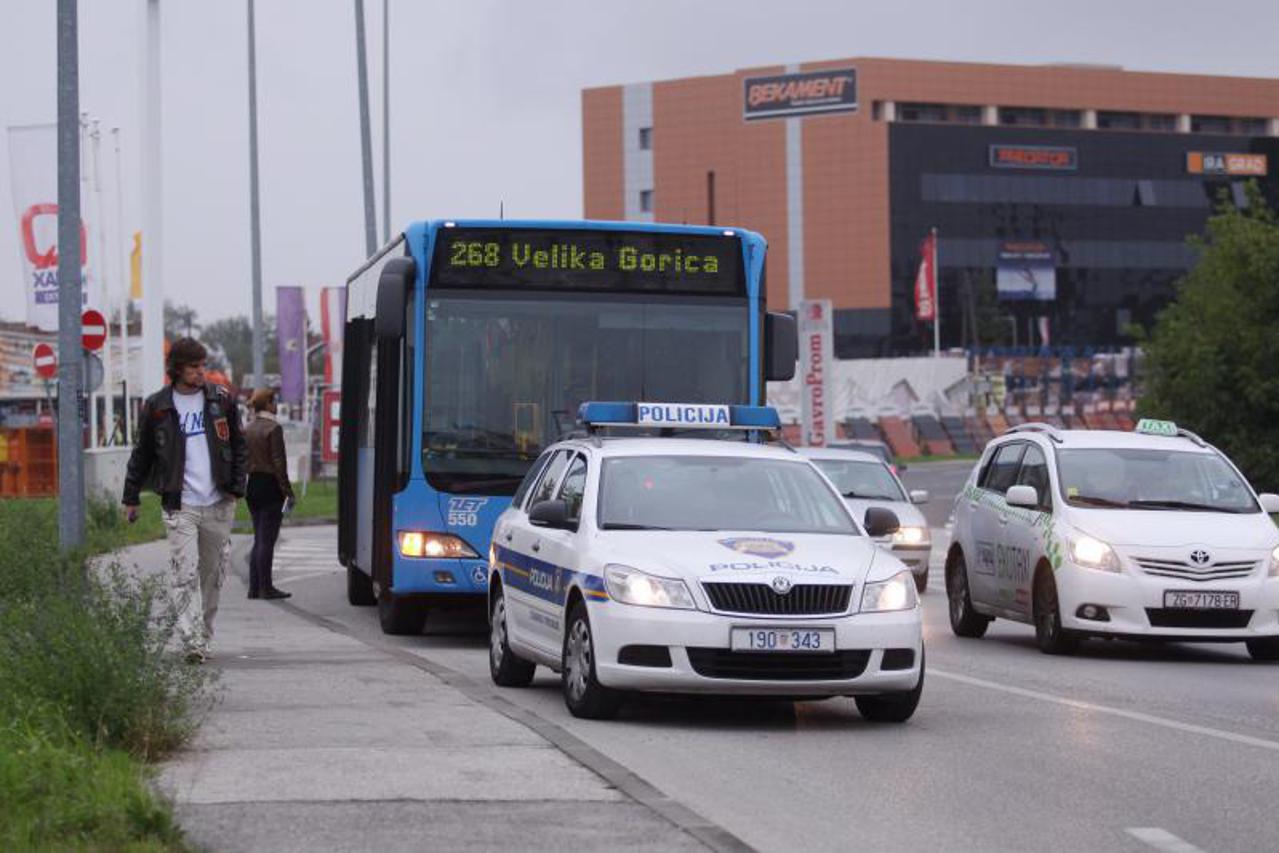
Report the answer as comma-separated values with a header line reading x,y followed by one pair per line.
x,y
1162,839
1136,716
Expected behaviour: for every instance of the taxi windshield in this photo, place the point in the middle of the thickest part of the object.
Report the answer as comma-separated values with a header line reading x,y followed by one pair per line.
x,y
718,493
867,480
1132,478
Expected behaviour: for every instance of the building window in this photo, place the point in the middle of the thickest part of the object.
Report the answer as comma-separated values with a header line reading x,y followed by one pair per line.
x,y
1252,126
1107,120
646,201
968,115
1209,124
921,112
1166,122
646,138
1023,116
1067,118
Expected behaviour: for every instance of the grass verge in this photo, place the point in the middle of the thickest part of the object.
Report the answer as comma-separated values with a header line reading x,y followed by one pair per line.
x,y
89,690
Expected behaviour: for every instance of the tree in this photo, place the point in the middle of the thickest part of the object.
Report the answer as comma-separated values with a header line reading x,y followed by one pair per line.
x,y
1212,358
179,321
233,336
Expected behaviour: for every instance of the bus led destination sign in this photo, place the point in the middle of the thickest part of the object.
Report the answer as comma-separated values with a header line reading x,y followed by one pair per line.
x,y
588,260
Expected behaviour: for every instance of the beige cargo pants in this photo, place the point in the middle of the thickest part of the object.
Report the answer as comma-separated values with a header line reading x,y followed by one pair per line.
x,y
199,546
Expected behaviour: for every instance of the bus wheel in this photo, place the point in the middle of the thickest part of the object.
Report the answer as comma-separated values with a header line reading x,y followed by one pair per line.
x,y
359,588
400,615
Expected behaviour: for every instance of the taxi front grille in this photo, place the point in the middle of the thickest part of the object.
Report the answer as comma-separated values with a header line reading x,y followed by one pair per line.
x,y
1221,571
779,666
1176,617
760,599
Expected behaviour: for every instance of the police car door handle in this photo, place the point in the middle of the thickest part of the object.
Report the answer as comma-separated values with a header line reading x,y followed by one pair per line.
x,y
509,534
537,546
1003,519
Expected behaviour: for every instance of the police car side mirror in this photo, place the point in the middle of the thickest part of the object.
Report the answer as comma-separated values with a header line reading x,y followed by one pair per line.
x,y
1024,496
1269,502
393,286
552,514
880,522
781,346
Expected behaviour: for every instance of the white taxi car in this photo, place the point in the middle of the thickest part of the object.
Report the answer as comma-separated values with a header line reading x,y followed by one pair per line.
x,y
1151,534
695,565
865,480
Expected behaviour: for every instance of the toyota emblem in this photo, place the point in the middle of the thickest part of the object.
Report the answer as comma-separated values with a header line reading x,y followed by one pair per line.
x,y
1200,557
781,585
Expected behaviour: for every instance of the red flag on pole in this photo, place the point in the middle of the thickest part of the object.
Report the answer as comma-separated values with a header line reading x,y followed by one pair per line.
x,y
926,280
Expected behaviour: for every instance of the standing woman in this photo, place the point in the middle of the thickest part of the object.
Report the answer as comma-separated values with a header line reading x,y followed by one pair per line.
x,y
268,491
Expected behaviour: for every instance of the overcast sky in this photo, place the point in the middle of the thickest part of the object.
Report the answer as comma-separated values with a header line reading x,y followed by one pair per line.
x,y
485,100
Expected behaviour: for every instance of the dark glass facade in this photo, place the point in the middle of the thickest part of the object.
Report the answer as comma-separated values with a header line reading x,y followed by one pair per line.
x,y
1117,223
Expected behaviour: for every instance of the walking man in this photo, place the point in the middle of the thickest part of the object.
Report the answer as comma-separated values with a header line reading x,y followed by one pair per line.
x,y
191,451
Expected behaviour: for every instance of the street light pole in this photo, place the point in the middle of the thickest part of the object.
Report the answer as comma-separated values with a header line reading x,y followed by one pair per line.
x,y
366,144
70,363
255,224
386,121
152,373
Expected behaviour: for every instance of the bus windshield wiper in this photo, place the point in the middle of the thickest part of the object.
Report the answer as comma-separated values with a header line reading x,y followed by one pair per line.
x,y
625,525
1173,504
1093,500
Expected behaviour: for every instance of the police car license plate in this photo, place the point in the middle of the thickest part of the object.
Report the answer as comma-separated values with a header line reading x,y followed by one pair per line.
x,y
783,640
1200,600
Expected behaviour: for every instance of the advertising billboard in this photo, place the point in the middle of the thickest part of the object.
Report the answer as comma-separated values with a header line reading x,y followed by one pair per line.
x,y
1026,271
804,93
815,353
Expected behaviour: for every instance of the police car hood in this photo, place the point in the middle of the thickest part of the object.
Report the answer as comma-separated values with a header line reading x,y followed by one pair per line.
x,y
1133,527
742,555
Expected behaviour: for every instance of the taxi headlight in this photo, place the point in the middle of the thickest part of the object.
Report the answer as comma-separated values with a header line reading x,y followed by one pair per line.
x,y
1274,562
631,586
416,543
911,536
896,593
1093,554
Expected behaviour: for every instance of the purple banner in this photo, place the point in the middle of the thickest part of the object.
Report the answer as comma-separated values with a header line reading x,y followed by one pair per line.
x,y
290,330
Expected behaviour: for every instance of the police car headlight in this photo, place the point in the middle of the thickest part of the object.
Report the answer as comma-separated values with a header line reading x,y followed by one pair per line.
x,y
911,536
896,593
1093,554
415,543
631,586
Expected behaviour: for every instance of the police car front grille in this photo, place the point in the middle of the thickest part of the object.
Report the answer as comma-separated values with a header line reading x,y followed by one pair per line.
x,y
779,666
760,599
1225,570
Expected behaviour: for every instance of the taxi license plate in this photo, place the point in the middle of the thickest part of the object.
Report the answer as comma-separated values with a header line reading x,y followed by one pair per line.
x,y
1200,600
783,640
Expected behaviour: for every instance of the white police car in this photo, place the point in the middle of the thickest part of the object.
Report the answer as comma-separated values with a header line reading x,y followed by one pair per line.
x,y
1150,534
694,565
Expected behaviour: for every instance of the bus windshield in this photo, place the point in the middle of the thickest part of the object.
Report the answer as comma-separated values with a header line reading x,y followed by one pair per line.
x,y
505,372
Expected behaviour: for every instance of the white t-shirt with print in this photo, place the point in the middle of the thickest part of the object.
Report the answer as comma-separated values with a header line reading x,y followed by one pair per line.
x,y
198,488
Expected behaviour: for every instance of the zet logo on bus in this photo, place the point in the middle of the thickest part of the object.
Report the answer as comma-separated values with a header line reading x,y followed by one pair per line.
x,y
465,512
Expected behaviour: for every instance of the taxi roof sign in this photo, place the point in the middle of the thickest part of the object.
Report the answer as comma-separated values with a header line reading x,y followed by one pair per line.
x,y
679,415
1152,426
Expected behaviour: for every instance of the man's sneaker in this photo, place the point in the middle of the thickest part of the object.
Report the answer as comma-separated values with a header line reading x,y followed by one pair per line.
x,y
276,593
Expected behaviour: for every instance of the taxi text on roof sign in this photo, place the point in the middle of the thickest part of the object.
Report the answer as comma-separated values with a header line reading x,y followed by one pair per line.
x,y
1150,426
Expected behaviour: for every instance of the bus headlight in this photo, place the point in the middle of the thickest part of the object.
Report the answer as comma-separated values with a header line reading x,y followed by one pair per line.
x,y
1093,554
631,586
896,593
416,543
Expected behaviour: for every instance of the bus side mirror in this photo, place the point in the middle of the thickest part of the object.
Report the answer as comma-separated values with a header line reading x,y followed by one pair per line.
x,y
393,285
781,347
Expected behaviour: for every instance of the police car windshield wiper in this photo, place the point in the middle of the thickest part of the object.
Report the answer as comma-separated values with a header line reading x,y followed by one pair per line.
x,y
1171,504
626,525
1093,500
871,497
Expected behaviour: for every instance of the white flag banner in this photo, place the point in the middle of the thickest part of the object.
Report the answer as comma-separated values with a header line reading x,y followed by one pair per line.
x,y
33,165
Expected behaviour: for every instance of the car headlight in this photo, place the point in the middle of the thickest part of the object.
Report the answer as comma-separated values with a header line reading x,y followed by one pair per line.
x,y
631,586
896,593
416,543
1093,554
911,536
1274,562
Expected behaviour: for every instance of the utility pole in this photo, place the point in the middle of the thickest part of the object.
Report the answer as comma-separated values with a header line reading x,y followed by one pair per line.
x,y
366,144
126,295
70,363
255,224
386,121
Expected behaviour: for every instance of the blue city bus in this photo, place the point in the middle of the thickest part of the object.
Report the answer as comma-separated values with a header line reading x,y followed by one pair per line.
x,y
469,347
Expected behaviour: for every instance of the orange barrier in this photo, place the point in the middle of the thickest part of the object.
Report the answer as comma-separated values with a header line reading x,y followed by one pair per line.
x,y
28,463
898,436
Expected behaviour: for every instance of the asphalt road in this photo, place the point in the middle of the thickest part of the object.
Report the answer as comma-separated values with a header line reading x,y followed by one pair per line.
x,y
1123,747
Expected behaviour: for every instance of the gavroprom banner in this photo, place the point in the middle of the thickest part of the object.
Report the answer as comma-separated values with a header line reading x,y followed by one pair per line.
x,y
33,164
815,350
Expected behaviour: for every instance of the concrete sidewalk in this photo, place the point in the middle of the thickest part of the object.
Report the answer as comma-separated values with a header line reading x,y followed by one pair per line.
x,y
322,742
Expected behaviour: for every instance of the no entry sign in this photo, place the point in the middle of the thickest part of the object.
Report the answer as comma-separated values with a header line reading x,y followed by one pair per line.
x,y
46,361
93,330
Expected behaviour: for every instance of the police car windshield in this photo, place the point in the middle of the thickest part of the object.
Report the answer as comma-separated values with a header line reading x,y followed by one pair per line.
x,y
1132,478
868,480
718,493
505,373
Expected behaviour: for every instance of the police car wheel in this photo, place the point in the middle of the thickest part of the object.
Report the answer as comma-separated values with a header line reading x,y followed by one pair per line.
x,y
359,588
399,615
921,581
506,669
1051,637
583,694
892,707
1265,649
964,620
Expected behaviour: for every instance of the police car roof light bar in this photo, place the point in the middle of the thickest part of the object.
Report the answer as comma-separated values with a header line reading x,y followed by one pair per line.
x,y
679,416
1036,426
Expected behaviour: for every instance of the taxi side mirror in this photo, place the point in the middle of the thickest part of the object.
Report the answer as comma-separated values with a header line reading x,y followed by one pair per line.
x,y
553,514
1023,496
880,522
919,496
1269,502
